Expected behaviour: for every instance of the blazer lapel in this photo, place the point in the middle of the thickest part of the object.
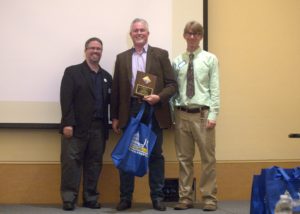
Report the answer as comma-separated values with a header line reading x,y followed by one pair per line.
x,y
129,65
149,59
104,84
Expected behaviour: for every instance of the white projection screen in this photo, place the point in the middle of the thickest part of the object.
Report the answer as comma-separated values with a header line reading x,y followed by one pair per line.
x,y
40,38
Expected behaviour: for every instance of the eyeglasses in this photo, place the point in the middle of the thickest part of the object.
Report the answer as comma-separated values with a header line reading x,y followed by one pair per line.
x,y
192,34
94,49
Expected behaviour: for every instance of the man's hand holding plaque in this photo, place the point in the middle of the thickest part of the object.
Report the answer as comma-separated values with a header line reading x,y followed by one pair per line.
x,y
144,84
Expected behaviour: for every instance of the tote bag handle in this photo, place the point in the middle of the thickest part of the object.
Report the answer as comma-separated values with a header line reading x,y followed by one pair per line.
x,y
141,112
294,193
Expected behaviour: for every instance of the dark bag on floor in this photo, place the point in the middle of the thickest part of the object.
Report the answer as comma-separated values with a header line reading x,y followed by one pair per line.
x,y
270,184
132,152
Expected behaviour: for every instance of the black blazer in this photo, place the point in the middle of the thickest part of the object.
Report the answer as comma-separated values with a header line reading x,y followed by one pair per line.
x,y
77,99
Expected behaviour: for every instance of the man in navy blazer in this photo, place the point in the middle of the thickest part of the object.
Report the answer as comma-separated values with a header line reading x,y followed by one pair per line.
x,y
142,57
84,97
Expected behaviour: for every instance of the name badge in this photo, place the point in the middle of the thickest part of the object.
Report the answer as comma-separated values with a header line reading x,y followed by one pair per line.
x,y
181,64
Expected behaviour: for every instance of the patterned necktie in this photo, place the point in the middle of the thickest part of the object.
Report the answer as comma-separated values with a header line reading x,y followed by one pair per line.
x,y
190,87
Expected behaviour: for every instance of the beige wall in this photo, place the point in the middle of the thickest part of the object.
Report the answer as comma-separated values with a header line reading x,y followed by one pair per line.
x,y
258,46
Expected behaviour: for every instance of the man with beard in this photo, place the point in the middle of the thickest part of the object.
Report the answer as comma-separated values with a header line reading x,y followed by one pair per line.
x,y
84,97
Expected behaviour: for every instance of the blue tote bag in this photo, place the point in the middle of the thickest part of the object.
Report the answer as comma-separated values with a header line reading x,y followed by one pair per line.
x,y
131,154
257,195
270,184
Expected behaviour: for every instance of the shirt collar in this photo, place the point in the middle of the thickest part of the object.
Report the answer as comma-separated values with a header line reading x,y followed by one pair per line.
x,y
196,52
90,70
145,49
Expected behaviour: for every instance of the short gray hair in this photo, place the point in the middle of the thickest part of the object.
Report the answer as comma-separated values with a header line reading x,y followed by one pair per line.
x,y
139,20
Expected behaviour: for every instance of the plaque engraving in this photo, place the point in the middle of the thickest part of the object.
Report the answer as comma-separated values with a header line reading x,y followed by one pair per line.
x,y
144,84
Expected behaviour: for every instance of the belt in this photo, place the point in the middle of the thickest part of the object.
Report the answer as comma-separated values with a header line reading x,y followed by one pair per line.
x,y
192,110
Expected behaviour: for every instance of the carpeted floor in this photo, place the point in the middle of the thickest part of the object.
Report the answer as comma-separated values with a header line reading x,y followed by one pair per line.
x,y
224,207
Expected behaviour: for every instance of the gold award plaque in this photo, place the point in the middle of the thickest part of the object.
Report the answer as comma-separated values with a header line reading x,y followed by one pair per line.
x,y
144,84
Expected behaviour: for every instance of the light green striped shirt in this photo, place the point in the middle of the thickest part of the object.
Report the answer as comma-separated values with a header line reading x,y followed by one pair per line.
x,y
206,76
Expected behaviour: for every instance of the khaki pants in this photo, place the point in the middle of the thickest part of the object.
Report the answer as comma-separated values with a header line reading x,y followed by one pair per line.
x,y
190,129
